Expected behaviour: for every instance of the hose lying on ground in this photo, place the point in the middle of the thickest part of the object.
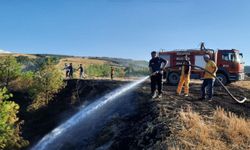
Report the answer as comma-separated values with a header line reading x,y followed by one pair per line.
x,y
225,88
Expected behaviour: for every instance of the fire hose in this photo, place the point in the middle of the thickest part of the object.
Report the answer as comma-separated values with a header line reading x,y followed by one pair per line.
x,y
242,100
225,88
219,81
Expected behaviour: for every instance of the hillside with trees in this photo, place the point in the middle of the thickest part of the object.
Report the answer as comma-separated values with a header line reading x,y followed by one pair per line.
x,y
93,66
35,98
30,83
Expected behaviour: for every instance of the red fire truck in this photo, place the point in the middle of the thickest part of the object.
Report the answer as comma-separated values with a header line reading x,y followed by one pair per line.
x,y
229,62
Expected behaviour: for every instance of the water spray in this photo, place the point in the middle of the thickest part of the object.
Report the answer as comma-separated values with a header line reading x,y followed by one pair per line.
x,y
95,106
82,114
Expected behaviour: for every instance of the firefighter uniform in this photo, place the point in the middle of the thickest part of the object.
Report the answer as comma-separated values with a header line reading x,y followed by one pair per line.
x,y
209,80
156,78
211,67
185,77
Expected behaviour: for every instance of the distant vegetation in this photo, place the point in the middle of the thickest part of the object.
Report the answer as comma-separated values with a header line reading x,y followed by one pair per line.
x,y
247,69
121,72
98,70
127,67
100,66
125,62
33,64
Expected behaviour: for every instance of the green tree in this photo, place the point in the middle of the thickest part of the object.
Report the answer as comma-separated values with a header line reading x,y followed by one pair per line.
x,y
47,82
9,123
10,69
24,82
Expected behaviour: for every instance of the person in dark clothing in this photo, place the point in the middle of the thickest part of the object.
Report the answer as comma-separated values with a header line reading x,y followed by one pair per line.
x,y
112,71
81,75
66,68
156,66
202,46
185,76
70,70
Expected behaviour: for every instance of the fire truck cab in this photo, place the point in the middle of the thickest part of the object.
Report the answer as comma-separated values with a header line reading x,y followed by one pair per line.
x,y
229,62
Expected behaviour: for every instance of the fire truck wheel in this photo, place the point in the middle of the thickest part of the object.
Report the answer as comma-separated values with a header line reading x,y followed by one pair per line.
x,y
222,78
173,78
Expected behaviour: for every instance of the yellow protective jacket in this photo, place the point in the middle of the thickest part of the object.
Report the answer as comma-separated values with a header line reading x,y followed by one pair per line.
x,y
211,67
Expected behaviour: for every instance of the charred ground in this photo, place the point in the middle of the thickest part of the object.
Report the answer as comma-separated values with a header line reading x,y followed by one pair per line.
x,y
147,126
150,127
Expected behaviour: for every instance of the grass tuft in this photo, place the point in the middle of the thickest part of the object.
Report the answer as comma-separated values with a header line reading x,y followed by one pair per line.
x,y
221,131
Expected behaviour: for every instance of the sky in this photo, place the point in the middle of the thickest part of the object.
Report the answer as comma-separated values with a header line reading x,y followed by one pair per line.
x,y
123,28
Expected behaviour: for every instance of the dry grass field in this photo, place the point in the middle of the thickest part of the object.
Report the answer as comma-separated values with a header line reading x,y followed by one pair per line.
x,y
76,61
222,130
242,84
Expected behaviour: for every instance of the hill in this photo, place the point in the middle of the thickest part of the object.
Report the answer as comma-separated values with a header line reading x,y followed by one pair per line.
x,y
93,66
124,62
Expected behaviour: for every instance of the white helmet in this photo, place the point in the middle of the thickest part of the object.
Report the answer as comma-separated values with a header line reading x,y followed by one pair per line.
x,y
206,56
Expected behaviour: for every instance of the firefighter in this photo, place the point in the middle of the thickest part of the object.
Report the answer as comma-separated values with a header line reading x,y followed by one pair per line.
x,y
155,67
112,71
208,79
202,46
185,76
81,75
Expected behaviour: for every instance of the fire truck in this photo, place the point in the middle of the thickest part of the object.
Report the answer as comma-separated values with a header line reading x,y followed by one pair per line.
x,y
229,62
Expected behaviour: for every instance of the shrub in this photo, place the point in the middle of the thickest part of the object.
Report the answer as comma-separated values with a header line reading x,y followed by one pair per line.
x,y
24,82
47,82
9,125
10,69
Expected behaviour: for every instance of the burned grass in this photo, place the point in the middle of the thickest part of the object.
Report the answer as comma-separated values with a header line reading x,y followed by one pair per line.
x,y
178,122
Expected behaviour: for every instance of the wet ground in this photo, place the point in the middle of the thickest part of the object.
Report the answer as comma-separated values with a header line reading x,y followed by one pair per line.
x,y
149,127
135,121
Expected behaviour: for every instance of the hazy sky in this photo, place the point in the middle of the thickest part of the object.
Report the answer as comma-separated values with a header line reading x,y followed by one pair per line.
x,y
123,28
